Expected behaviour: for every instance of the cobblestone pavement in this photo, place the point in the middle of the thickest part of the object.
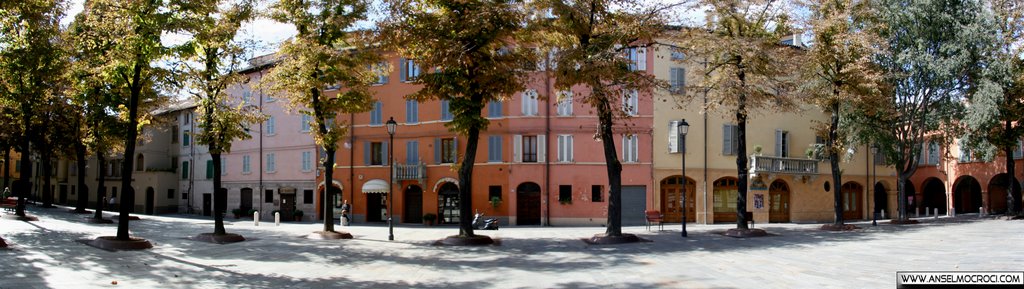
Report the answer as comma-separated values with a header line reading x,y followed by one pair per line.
x,y
49,253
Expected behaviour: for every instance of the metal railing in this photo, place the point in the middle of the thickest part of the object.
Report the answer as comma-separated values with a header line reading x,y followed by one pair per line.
x,y
765,164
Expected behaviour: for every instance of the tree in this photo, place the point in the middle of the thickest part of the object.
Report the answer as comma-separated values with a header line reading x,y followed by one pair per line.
x,y
839,72
994,117
931,48
747,70
30,65
326,52
473,45
129,69
209,64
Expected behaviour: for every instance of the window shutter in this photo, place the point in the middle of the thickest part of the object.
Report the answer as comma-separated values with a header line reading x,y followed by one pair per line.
x,y
778,142
641,59
437,150
455,150
727,140
366,152
1017,150
921,158
673,136
402,70
570,157
524,103
517,148
384,152
498,143
542,148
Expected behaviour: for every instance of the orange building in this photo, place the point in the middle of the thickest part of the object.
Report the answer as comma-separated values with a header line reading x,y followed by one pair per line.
x,y
954,181
537,163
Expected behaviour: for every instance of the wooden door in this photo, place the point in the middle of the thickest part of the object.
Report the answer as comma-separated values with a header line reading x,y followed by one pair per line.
x,y
528,204
852,201
671,192
779,207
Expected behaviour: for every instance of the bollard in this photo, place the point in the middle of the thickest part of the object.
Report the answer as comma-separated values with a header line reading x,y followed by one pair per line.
x,y
927,212
918,212
883,214
937,212
981,212
256,218
277,218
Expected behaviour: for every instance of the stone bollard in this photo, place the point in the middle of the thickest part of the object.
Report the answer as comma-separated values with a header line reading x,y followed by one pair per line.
x,y
937,212
917,212
981,212
883,214
277,218
256,218
927,211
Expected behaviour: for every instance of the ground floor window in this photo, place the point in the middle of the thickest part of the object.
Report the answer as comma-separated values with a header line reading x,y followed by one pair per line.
x,y
448,204
725,193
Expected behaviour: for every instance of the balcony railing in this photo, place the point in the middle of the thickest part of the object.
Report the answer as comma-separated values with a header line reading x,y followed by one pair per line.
x,y
778,165
405,172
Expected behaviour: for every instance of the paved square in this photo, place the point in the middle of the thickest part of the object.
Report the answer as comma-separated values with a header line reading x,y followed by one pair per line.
x,y
46,254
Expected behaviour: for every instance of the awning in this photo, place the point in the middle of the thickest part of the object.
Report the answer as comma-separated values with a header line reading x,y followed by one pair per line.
x,y
376,186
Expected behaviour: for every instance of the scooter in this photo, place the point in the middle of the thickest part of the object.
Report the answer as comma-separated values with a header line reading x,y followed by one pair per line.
x,y
487,224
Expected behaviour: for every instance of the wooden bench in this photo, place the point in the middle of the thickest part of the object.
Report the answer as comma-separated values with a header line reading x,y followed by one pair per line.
x,y
654,216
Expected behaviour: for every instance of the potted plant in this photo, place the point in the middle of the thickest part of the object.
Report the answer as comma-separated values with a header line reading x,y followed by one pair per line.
x,y
429,218
251,212
758,149
298,215
237,212
495,202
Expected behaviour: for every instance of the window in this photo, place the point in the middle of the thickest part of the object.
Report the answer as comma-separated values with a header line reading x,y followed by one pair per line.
x,y
879,157
140,163
677,80
781,143
565,148
529,102
449,150
184,196
271,127
246,164
170,193
597,193
246,96
307,196
17,166
677,54
933,153
494,109
629,148
187,118
412,113
409,71
565,194
725,193
565,103
529,149
186,138
376,153
494,148
412,152
729,143
174,134
446,112
306,122
965,153
268,196
382,72
269,98
494,192
630,102
1017,150
209,169
307,161
637,58
184,170
271,163
673,137
376,114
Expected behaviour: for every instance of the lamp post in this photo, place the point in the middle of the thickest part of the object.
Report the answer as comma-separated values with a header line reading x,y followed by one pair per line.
x,y
683,127
391,124
874,193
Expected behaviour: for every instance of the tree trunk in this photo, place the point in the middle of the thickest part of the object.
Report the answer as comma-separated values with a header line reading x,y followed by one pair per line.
x,y
22,190
833,159
83,194
220,196
7,168
128,193
101,191
741,158
328,184
902,196
1013,192
466,171
614,167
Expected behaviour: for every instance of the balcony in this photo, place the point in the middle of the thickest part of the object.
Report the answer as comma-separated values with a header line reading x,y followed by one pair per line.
x,y
779,165
410,172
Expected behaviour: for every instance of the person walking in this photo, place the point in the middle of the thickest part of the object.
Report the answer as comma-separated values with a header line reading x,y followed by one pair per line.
x,y
345,208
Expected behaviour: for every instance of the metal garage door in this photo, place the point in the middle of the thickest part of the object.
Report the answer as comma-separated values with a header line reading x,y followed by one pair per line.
x,y
634,202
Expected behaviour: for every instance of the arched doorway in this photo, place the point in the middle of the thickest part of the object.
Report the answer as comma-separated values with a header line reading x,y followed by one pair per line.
x,y
671,189
448,204
933,196
725,194
966,195
852,193
528,204
778,194
150,199
413,204
998,189
881,201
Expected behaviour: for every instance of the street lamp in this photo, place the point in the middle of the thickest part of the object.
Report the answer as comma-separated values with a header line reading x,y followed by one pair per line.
x,y
391,124
874,193
683,127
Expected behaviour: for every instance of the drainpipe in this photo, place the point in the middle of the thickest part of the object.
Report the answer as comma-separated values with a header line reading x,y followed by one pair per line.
x,y
192,161
260,152
351,165
867,180
547,142
705,115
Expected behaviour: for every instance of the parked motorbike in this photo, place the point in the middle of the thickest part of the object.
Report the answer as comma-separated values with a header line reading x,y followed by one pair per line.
x,y
485,224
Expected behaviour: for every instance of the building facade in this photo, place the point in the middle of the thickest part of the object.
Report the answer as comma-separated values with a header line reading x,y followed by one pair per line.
x,y
953,180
